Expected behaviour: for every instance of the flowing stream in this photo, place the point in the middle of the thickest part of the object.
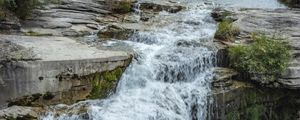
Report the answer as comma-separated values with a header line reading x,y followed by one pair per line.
x,y
170,77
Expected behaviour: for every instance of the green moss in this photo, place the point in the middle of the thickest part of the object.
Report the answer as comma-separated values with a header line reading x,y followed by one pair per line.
x,y
104,83
226,31
267,57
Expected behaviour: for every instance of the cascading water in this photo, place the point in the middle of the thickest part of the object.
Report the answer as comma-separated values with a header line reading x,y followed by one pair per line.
x,y
170,77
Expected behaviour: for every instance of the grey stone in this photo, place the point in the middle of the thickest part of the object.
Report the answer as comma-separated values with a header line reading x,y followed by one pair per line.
x,y
292,72
53,25
290,83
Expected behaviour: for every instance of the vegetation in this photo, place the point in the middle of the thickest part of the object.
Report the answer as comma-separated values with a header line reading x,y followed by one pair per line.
x,y
266,56
227,31
21,8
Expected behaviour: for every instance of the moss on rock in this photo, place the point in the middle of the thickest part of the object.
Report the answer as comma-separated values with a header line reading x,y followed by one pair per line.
x,y
104,83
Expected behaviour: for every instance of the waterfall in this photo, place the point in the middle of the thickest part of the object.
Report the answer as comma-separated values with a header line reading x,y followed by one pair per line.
x,y
170,77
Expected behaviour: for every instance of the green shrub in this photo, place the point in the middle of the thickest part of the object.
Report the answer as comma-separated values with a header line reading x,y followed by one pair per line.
x,y
266,55
226,31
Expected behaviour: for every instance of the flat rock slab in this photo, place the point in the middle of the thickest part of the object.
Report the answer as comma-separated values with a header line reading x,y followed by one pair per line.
x,y
59,66
61,48
280,22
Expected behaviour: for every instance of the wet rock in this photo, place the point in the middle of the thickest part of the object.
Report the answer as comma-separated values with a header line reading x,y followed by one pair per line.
x,y
120,6
115,32
156,6
220,14
20,113
223,77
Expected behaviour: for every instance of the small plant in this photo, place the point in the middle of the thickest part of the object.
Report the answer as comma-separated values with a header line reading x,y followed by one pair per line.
x,y
266,56
226,31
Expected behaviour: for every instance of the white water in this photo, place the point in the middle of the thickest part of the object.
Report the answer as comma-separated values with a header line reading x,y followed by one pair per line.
x,y
170,77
